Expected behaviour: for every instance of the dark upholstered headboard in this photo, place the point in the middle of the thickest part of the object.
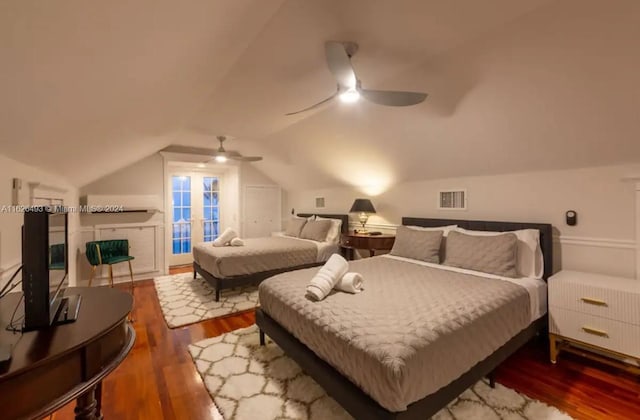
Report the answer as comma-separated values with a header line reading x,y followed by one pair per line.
x,y
546,238
343,217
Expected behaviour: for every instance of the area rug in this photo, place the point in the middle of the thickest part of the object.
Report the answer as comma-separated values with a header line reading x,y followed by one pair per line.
x,y
247,381
184,300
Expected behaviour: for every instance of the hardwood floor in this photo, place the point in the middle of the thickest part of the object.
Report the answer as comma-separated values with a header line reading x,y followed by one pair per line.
x,y
578,386
158,380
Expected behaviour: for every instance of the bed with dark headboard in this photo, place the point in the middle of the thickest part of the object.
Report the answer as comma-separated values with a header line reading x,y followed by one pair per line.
x,y
343,217
361,405
546,238
221,283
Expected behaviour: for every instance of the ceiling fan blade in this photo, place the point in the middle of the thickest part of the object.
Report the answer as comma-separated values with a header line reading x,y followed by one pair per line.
x,y
314,106
393,98
232,154
247,158
340,64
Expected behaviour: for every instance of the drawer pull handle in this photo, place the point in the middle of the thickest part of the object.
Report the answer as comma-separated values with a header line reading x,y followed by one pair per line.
x,y
593,301
595,331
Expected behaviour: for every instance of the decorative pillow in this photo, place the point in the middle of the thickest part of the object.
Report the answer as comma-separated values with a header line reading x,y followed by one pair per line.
x,y
443,243
489,254
423,245
333,235
530,262
294,227
316,230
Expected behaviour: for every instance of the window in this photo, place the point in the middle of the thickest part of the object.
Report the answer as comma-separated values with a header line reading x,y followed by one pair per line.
x,y
181,206
211,208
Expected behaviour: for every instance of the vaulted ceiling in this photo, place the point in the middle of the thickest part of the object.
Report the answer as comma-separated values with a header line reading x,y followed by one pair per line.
x,y
90,87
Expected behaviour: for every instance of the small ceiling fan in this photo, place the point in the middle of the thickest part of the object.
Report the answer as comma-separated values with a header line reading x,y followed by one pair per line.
x,y
349,87
221,155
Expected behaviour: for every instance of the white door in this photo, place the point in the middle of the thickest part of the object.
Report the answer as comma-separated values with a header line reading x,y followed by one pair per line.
x,y
261,210
195,213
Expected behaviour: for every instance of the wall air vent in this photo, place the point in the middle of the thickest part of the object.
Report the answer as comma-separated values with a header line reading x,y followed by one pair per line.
x,y
319,202
452,200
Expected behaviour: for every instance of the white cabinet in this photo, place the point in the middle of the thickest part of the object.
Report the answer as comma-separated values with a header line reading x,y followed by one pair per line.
x,y
262,214
143,242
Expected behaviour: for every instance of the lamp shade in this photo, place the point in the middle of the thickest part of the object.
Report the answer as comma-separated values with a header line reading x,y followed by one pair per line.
x,y
362,205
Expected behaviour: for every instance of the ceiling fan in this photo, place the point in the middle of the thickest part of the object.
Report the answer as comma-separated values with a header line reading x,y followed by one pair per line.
x,y
349,87
221,155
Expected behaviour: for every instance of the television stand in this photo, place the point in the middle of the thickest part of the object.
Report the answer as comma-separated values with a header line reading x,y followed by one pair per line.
x,y
68,310
50,368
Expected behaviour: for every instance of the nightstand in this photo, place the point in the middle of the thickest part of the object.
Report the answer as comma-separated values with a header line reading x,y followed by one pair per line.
x,y
595,316
351,241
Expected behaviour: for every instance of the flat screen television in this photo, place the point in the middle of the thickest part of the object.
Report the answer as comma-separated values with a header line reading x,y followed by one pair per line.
x,y
45,268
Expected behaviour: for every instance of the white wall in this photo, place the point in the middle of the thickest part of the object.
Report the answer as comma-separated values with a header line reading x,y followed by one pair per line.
x,y
141,178
11,222
603,240
253,176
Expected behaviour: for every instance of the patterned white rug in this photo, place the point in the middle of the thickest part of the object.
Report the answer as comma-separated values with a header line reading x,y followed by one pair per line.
x,y
184,300
247,381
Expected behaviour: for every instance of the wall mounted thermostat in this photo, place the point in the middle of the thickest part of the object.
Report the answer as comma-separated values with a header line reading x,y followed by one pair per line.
x,y
572,218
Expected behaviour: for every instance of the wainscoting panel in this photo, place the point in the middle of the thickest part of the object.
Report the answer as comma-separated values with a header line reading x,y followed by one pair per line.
x,y
142,243
596,242
145,241
610,256
7,271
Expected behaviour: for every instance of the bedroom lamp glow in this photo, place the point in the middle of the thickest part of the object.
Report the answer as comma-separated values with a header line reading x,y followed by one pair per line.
x,y
364,207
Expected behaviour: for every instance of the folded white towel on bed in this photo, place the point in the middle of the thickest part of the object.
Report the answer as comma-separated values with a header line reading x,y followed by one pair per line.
x,y
327,277
225,237
236,242
350,283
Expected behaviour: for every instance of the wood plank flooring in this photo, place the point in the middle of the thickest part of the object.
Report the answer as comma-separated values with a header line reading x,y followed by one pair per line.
x,y
158,380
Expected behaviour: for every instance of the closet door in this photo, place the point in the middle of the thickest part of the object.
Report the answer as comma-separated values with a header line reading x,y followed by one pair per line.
x,y
262,205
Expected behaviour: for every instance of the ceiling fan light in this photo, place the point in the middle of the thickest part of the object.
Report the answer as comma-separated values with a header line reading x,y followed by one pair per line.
x,y
220,159
350,96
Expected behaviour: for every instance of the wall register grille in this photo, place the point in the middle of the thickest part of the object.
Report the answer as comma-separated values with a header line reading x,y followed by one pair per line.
x,y
452,200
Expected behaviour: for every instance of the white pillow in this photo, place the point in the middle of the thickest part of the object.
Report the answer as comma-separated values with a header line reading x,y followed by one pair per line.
x,y
530,262
333,235
445,229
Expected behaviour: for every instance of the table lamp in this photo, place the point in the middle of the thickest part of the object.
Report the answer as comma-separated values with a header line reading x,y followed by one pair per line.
x,y
364,207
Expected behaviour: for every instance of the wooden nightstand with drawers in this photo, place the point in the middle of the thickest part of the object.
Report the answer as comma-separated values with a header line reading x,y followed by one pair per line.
x,y
595,316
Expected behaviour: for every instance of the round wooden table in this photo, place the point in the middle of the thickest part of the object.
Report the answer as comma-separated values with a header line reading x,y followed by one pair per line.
x,y
351,241
51,367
